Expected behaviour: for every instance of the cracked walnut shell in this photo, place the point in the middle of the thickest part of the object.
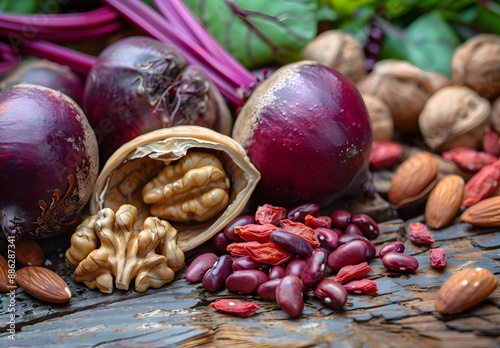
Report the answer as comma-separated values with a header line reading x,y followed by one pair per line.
x,y
195,160
107,246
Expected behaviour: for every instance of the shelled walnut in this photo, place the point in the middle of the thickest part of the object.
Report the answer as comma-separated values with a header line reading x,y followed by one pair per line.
x,y
214,158
108,246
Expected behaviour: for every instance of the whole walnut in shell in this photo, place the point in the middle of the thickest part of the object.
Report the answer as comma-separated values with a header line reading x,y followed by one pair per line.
x,y
495,115
380,116
455,116
337,50
476,64
403,87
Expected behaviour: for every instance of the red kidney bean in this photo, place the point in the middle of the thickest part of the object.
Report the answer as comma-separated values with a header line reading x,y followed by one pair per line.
x,y
289,295
199,266
332,293
400,262
296,267
353,229
215,278
298,213
246,262
328,236
245,281
396,246
291,242
349,253
340,218
238,221
277,271
267,290
315,269
221,243
371,251
366,224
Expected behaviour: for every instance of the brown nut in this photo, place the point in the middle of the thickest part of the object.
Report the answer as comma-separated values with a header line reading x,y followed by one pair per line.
x,y
413,179
464,290
43,284
485,213
29,252
444,201
134,164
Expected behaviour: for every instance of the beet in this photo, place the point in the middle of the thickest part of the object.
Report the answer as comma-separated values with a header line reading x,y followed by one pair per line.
x,y
306,129
48,161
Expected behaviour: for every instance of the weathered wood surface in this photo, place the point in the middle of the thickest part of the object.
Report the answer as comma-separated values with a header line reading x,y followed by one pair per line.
x,y
177,315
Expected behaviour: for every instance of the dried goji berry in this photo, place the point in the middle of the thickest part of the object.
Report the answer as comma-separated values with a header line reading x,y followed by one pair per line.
x,y
350,272
385,153
240,308
239,249
255,232
481,185
318,221
362,286
437,258
268,253
469,159
419,234
302,230
268,214
491,142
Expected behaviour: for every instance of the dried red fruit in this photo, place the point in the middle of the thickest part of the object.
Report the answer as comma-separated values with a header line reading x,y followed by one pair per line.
x,y
437,258
351,272
302,230
269,253
491,142
234,307
385,153
318,221
481,185
419,234
361,287
469,159
269,214
255,232
239,249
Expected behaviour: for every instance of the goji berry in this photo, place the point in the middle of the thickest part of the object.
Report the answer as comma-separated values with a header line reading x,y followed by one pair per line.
x,y
469,159
481,185
234,307
491,142
318,221
302,230
239,249
419,234
362,287
269,214
385,153
268,253
351,272
255,232
437,258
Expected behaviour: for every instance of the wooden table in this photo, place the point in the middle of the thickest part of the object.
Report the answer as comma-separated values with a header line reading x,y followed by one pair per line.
x,y
177,315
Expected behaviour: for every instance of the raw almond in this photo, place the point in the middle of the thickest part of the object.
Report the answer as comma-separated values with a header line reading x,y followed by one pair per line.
x,y
465,289
485,213
444,201
43,284
413,179
5,283
29,252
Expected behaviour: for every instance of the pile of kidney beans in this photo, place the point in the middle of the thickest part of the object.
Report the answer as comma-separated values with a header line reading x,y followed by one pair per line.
x,y
280,255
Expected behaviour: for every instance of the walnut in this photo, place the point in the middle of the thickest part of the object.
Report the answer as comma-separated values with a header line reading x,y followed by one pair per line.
x,y
403,87
380,116
337,50
476,64
109,246
195,188
454,116
495,115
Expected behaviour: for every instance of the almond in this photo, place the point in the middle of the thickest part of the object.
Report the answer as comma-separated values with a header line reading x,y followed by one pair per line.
x,y
413,179
6,283
485,213
465,289
43,284
444,201
29,252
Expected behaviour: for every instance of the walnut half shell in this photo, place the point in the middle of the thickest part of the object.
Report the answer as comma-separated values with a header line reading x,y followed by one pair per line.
x,y
138,162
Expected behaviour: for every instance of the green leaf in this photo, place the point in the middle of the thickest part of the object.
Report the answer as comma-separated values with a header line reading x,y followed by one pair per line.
x,y
24,6
260,32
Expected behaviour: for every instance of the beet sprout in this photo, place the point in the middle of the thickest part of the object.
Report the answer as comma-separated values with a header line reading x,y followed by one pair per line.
x,y
9,59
